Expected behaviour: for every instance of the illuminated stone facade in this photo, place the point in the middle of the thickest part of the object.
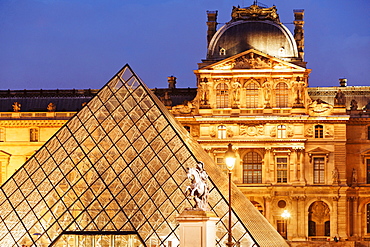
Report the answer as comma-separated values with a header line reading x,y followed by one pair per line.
x,y
300,149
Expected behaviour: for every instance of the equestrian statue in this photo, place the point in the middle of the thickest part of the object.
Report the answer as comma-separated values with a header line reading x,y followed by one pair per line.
x,y
198,188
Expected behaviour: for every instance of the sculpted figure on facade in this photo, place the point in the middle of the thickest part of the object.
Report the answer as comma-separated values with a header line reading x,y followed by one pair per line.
x,y
298,88
195,131
255,12
51,107
273,132
16,107
186,108
320,107
354,176
335,175
290,132
329,131
261,130
252,61
340,98
229,132
236,93
267,93
198,189
309,132
354,105
203,91
166,99
212,131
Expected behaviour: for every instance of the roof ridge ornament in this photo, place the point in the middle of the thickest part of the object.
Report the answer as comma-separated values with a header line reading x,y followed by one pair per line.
x,y
255,12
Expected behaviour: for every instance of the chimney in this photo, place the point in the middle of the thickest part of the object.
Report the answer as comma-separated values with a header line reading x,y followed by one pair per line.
x,y
343,82
171,82
299,31
212,25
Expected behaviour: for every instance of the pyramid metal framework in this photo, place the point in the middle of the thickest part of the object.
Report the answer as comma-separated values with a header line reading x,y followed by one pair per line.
x,y
118,167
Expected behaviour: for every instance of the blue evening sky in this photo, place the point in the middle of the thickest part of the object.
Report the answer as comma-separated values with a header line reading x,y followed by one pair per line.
x,y
65,44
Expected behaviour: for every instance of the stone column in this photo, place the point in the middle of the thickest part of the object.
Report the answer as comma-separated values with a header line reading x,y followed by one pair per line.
x,y
267,164
272,171
295,175
295,217
334,231
356,225
197,228
301,163
267,200
302,221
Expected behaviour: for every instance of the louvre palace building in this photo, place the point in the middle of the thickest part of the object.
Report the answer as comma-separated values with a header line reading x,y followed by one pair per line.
x,y
107,167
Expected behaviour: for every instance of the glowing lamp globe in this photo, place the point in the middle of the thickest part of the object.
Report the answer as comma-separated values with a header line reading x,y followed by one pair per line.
x,y
230,158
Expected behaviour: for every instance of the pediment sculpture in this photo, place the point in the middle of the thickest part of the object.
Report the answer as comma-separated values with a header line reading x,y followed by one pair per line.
x,y
250,61
320,107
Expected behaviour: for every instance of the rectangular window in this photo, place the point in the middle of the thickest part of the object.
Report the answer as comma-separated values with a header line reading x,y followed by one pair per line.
x,y
368,171
281,226
281,131
221,132
221,163
34,135
319,170
368,132
319,131
282,169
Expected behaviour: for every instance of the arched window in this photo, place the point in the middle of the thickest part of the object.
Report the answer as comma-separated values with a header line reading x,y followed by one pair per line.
x,y
222,96
252,95
252,168
281,131
319,131
282,95
221,132
222,52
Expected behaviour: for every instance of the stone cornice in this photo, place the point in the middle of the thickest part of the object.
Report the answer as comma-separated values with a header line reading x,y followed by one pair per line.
x,y
250,140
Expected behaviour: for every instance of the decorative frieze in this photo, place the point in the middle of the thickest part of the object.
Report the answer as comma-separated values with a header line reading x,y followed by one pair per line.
x,y
252,130
26,123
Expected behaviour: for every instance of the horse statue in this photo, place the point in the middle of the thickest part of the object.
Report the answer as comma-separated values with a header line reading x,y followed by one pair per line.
x,y
198,188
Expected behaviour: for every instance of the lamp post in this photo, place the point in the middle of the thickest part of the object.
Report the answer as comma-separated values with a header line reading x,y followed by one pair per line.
x,y
285,216
230,163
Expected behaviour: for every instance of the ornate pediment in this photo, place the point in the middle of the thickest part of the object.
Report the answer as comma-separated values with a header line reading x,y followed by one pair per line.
x,y
317,151
319,107
252,59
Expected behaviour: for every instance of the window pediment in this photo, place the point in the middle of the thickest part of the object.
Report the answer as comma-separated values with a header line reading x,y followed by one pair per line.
x,y
318,152
4,154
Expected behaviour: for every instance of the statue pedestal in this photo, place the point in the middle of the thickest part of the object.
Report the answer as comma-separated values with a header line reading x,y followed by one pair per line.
x,y
197,228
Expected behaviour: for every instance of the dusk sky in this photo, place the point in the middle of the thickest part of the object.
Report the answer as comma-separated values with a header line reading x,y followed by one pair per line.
x,y
66,44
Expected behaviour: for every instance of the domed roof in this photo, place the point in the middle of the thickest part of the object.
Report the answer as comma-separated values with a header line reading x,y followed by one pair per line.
x,y
253,28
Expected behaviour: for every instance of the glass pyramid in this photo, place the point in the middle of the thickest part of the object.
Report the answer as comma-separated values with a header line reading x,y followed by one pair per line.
x,y
118,168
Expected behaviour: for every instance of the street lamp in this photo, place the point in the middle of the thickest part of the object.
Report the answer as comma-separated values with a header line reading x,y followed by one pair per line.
x,y
230,163
285,215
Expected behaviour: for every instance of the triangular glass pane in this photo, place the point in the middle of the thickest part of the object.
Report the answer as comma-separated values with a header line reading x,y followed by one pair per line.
x,y
125,73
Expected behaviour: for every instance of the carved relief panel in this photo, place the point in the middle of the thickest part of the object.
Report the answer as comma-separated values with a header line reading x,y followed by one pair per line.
x,y
252,130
